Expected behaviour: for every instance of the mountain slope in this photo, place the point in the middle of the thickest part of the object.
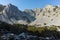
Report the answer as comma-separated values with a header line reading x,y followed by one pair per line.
x,y
50,15
12,14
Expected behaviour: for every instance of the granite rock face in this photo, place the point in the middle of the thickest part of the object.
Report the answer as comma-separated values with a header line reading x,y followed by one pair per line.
x,y
49,15
14,15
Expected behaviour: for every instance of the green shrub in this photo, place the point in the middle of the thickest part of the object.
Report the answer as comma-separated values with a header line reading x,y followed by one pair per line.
x,y
52,28
32,28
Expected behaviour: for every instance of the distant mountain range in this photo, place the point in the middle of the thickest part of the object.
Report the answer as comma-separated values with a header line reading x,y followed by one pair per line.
x,y
49,15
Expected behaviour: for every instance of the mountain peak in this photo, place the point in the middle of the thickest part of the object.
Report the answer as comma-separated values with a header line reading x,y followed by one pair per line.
x,y
39,16
11,7
48,6
9,4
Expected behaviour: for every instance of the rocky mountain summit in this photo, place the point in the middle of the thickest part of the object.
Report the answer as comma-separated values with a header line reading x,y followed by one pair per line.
x,y
11,14
49,15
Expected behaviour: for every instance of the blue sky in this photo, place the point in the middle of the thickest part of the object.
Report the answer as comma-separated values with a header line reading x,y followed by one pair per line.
x,y
30,4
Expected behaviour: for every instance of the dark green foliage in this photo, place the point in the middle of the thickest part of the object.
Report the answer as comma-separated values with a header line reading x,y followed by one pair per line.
x,y
16,28
43,31
43,14
44,23
55,8
58,26
39,31
52,28
49,11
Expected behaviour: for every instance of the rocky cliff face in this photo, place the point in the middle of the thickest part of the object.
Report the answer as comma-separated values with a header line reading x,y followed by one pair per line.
x,y
11,14
49,15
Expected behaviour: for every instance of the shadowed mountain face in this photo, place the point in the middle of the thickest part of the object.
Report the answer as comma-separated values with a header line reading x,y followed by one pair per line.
x,y
11,14
50,15
1,7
